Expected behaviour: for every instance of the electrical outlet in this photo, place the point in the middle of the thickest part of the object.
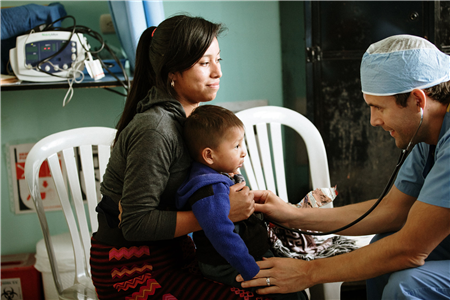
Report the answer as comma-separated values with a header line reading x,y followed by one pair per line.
x,y
106,24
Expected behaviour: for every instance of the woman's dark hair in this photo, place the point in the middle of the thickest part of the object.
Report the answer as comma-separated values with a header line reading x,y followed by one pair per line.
x,y
174,46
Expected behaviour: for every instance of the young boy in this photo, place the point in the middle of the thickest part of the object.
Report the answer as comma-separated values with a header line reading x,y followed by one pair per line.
x,y
215,137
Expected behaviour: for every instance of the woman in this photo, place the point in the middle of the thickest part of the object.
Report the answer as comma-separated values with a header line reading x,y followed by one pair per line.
x,y
141,249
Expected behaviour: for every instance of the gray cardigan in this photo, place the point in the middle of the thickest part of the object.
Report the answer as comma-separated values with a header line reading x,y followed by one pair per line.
x,y
147,165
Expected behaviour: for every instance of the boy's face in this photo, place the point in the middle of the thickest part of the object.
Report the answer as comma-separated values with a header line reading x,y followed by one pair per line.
x,y
229,155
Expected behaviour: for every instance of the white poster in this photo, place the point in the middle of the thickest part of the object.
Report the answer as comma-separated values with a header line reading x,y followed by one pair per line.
x,y
19,191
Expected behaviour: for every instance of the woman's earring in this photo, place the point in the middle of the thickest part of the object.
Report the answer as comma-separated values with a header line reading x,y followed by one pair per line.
x,y
172,83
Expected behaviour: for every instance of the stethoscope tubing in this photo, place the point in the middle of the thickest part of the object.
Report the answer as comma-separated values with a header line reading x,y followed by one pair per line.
x,y
401,159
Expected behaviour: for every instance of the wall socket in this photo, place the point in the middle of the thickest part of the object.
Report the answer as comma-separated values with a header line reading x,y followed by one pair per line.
x,y
106,24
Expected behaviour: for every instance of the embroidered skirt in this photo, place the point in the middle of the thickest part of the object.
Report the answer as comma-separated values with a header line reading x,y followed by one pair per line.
x,y
167,271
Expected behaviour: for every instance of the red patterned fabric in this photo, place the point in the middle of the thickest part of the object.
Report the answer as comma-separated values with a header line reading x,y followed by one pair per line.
x,y
166,272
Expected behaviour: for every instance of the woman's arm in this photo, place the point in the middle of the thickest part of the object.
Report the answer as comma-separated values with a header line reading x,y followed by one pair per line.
x,y
149,156
155,162
186,223
241,202
242,206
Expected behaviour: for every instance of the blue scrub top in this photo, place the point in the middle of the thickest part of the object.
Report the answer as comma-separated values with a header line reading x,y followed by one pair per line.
x,y
417,179
427,177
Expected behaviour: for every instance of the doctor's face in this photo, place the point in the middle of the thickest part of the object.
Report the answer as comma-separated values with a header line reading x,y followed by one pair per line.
x,y
401,122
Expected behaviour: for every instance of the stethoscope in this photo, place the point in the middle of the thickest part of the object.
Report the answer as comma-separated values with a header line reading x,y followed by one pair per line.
x,y
401,159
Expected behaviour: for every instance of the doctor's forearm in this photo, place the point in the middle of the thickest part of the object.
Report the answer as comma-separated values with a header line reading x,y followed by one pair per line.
x,y
326,219
382,257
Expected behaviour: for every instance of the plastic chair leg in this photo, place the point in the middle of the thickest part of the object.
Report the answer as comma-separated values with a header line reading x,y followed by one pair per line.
x,y
326,291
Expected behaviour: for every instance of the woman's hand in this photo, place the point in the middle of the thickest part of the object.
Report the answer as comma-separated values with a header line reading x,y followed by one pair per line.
x,y
286,275
242,204
274,208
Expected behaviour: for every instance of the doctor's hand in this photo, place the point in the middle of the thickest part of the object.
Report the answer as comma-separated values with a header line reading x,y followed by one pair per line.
x,y
286,275
242,204
274,208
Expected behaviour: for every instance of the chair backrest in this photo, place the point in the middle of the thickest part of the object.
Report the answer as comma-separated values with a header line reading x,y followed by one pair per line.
x,y
66,143
264,143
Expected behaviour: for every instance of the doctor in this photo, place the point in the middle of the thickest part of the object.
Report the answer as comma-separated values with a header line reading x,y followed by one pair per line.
x,y
409,258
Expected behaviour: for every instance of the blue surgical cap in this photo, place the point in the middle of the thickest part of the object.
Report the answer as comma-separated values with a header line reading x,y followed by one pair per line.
x,y
401,63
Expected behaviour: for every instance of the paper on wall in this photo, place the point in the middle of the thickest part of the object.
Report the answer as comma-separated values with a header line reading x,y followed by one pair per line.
x,y
20,197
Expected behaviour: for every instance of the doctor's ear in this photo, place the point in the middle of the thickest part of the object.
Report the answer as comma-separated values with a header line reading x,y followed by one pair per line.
x,y
207,155
420,97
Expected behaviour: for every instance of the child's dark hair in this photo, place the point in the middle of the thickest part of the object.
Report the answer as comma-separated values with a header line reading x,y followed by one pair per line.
x,y
206,126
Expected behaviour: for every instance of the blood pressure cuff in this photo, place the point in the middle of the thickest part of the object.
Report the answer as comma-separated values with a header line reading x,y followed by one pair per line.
x,y
16,21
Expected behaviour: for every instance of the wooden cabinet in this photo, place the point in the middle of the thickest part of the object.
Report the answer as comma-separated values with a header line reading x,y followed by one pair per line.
x,y
361,157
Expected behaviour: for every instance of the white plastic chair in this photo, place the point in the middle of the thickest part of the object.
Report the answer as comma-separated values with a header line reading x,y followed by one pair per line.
x,y
264,143
47,149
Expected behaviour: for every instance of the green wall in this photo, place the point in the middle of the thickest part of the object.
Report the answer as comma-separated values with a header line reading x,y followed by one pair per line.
x,y
250,49
294,95
251,52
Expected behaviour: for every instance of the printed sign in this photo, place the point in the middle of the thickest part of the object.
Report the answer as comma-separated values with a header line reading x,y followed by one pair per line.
x,y
11,289
18,187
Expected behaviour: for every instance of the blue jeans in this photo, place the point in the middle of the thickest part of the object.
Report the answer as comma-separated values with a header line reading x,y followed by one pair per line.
x,y
430,281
